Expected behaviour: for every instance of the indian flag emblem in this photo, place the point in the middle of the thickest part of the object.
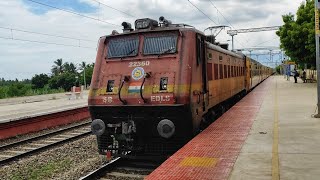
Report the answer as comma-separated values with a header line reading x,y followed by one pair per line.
x,y
134,87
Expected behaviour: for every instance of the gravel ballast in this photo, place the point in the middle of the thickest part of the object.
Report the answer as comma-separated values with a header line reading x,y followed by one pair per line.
x,y
68,161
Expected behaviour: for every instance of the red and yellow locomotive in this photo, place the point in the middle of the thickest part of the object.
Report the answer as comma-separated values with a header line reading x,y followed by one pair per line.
x,y
155,87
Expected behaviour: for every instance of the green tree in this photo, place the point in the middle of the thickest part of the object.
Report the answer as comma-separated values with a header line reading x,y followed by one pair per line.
x,y
70,67
88,73
83,65
39,81
57,68
297,36
65,81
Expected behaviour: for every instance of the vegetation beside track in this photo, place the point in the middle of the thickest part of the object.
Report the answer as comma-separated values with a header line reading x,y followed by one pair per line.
x,y
63,77
45,170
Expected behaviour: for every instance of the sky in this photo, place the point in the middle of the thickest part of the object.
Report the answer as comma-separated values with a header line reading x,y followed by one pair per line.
x,y
22,54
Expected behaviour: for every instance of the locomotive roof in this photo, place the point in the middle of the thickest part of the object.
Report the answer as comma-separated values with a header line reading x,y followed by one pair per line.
x,y
160,29
183,27
218,48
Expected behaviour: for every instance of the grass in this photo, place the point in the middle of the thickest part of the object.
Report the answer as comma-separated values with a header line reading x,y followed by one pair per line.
x,y
39,172
21,90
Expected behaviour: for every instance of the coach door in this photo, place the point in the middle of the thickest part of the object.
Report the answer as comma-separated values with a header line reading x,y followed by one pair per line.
x,y
202,63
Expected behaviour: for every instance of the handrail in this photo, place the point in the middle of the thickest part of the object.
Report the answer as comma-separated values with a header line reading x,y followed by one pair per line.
x,y
144,100
119,94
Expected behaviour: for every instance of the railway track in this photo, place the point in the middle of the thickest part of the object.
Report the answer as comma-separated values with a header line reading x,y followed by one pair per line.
x,y
119,168
19,149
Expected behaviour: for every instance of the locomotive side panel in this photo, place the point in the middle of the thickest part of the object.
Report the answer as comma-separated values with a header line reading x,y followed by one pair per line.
x,y
198,89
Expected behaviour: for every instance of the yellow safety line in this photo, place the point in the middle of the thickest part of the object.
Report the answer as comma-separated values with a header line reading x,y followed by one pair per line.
x,y
275,152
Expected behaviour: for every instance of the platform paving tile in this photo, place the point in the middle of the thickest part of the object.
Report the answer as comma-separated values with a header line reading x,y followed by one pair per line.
x,y
221,141
300,166
299,135
13,112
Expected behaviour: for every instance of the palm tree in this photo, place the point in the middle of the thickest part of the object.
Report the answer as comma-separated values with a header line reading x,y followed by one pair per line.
x,y
83,66
70,67
57,68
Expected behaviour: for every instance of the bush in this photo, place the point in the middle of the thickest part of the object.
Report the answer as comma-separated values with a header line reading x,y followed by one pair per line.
x,y
64,81
19,89
4,92
39,81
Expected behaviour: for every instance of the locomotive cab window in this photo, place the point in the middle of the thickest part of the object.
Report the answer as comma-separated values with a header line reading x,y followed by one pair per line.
x,y
124,47
160,45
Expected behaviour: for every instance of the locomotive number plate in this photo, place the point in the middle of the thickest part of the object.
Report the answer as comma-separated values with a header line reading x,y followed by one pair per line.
x,y
139,63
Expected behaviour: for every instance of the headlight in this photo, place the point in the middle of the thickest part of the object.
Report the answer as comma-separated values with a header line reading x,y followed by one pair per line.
x,y
145,23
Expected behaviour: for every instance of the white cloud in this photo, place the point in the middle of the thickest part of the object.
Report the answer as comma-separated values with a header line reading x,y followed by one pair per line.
x,y
24,59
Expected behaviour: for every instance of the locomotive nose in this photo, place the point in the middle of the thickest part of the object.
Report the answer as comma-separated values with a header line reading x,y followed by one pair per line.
x,y
98,127
166,128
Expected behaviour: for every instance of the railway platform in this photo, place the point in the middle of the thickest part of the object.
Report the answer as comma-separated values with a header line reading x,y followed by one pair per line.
x,y
28,114
269,134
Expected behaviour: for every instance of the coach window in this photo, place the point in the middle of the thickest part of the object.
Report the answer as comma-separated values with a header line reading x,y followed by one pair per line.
x,y
209,71
229,71
232,69
236,71
220,58
216,72
225,71
209,56
220,71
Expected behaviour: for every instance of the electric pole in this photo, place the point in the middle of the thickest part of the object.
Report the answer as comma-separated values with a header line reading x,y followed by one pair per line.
x,y
317,35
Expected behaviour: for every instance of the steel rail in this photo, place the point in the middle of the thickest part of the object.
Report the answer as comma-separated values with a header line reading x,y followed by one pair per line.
x,y
119,163
6,146
46,146
101,170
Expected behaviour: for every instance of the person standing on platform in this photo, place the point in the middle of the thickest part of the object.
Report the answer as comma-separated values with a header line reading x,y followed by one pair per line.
x,y
288,72
304,76
295,75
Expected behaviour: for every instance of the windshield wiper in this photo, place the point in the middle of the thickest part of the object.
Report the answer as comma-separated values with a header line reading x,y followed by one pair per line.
x,y
166,51
133,50
130,52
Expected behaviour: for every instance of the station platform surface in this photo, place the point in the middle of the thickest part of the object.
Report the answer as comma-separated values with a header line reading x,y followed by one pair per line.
x,y
269,134
14,109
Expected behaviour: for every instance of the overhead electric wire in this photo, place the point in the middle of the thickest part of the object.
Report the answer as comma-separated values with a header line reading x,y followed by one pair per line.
x,y
221,14
202,12
45,34
265,42
239,43
73,12
42,42
226,20
113,8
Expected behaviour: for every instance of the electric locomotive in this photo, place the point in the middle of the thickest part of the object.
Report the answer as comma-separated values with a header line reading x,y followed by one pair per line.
x,y
155,86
